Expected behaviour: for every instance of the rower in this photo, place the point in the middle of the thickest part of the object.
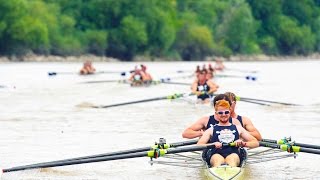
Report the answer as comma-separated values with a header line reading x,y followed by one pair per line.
x,y
148,77
246,123
225,132
138,76
219,66
210,72
87,68
203,88
197,72
204,123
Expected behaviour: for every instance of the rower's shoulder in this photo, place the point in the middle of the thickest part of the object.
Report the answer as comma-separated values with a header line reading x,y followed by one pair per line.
x,y
246,120
236,121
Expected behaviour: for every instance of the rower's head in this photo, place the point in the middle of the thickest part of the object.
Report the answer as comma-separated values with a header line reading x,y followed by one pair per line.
x,y
143,67
209,75
221,97
222,110
197,70
202,75
233,99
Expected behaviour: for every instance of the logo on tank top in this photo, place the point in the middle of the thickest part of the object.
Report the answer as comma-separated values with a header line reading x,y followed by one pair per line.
x,y
226,135
137,77
202,88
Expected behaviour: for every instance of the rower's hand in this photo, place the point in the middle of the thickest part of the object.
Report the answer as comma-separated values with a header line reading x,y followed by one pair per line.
x,y
218,145
240,143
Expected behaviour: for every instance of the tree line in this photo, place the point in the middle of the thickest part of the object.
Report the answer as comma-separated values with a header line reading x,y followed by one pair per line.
x,y
175,29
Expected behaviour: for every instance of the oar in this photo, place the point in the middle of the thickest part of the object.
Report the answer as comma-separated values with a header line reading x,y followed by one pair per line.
x,y
151,153
261,100
241,70
252,78
177,83
122,73
289,148
116,153
254,102
174,96
285,141
106,81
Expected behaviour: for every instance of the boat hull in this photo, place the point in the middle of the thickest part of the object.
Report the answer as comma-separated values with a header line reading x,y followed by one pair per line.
x,y
224,172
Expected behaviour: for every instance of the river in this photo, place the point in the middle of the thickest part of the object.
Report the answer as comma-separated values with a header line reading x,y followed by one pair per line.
x,y
45,118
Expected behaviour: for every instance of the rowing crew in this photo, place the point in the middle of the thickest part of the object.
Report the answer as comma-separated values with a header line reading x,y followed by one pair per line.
x,y
140,76
204,86
87,68
225,126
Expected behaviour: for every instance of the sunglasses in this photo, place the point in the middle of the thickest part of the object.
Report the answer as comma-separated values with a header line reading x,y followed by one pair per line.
x,y
223,112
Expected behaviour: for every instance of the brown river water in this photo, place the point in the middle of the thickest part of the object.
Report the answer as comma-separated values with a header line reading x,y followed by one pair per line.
x,y
45,118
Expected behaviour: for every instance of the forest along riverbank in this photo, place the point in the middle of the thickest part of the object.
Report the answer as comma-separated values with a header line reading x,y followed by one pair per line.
x,y
93,58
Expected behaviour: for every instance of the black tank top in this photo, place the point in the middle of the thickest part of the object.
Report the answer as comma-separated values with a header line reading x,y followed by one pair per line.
x,y
225,134
240,119
212,121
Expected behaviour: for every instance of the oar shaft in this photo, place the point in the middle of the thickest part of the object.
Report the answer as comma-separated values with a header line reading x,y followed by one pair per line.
x,y
80,161
177,83
175,96
307,145
281,141
254,102
184,143
133,102
308,150
105,81
176,144
289,148
261,100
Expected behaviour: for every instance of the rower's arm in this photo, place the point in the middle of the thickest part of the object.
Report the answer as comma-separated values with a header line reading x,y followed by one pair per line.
x,y
194,88
251,141
205,137
251,129
131,77
196,129
213,87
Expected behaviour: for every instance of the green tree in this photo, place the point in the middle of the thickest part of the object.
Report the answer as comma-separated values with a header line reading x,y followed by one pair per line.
x,y
130,39
238,29
194,42
294,39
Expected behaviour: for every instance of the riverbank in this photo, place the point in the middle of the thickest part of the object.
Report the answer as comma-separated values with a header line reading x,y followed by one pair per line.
x,y
93,58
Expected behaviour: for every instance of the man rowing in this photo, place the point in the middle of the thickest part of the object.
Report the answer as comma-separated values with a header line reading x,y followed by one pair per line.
x,y
224,132
137,77
202,124
203,88
148,77
87,68
219,66
210,72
